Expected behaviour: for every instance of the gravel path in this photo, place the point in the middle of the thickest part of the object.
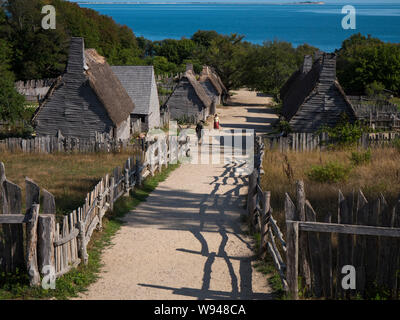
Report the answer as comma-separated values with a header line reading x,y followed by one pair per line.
x,y
186,241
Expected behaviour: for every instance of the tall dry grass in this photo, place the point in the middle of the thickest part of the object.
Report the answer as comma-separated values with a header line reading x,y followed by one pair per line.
x,y
69,177
381,175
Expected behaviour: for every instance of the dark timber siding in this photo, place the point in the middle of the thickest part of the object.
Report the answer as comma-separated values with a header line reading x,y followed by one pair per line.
x,y
74,109
185,104
324,107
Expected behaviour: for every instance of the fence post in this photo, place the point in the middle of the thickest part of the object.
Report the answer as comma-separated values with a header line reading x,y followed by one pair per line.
x,y
304,265
292,251
31,247
265,223
138,172
46,236
252,197
112,189
127,186
83,251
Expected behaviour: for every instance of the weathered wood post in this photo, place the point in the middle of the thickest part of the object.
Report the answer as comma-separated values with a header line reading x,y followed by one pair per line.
x,y
303,254
31,246
292,251
265,223
46,237
13,233
252,197
82,238
112,191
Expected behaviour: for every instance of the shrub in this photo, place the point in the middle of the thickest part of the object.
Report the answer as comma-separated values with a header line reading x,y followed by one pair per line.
x,y
344,134
360,158
396,144
330,172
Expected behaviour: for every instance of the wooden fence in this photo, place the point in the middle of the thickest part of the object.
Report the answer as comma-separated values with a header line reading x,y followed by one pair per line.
x,y
47,144
302,142
62,246
366,236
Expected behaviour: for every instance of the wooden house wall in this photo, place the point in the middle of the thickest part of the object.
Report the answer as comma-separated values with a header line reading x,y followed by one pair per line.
x,y
74,109
154,110
185,104
211,91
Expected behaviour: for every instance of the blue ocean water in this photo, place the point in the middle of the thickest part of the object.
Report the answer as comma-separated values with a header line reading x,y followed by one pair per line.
x,y
318,25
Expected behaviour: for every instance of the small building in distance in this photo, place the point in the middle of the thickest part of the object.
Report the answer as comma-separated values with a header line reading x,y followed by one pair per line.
x,y
140,84
87,99
189,101
213,85
312,97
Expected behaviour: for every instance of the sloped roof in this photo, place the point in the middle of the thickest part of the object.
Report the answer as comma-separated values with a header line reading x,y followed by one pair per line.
x,y
300,86
138,83
208,74
89,65
198,88
108,88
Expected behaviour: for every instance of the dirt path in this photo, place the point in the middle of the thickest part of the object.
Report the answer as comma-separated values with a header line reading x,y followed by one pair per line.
x,y
186,241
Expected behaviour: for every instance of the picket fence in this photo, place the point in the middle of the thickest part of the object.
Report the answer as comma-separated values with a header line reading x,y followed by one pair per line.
x,y
368,238
302,142
54,144
63,246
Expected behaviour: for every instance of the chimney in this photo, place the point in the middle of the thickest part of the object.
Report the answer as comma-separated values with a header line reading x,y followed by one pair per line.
x,y
189,67
307,64
328,68
318,54
76,57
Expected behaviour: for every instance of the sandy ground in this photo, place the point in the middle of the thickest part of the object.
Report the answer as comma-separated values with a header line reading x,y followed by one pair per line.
x,y
186,241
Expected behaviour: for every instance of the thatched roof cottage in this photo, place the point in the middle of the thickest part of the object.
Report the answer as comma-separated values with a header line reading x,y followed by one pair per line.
x,y
140,84
189,101
313,97
213,85
86,99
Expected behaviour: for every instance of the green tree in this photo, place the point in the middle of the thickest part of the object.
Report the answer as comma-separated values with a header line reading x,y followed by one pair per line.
x,y
363,60
11,102
269,66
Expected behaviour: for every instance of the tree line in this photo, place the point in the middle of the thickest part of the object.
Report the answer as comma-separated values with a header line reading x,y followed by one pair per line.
x,y
29,52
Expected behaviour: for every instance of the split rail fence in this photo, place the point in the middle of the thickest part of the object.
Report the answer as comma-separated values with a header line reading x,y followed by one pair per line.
x,y
62,246
313,253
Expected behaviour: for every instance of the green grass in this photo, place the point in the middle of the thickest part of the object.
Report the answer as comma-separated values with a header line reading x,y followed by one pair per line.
x,y
78,279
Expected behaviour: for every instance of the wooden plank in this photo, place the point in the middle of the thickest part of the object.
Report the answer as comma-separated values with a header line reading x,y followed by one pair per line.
x,y
83,252
315,253
359,253
13,233
31,247
386,220
278,233
325,240
345,242
14,219
264,219
292,258
304,267
48,203
72,235
32,193
252,198
46,235
371,261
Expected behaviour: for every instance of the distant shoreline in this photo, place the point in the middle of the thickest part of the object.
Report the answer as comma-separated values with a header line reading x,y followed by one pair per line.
x,y
200,2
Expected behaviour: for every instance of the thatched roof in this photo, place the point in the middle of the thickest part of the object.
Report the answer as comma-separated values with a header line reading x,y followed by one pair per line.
x,y
198,88
302,84
88,65
108,88
208,74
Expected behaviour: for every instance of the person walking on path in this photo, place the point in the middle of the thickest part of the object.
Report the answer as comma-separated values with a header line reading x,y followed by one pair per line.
x,y
216,122
199,130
